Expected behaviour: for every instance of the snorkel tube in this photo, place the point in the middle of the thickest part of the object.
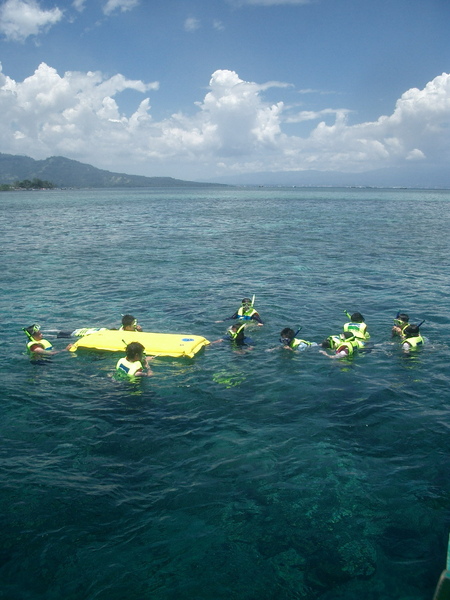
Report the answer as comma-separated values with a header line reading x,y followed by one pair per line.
x,y
27,333
234,334
34,329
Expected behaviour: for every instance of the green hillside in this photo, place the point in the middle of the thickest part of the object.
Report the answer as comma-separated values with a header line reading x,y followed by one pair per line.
x,y
63,172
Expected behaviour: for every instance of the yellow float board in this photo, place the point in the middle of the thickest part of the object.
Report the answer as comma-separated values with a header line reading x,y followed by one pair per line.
x,y
161,344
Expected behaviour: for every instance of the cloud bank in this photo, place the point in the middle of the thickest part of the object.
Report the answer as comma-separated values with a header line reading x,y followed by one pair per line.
x,y
233,129
20,19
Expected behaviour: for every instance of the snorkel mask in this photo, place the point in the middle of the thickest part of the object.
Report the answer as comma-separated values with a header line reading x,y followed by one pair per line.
x,y
30,331
399,320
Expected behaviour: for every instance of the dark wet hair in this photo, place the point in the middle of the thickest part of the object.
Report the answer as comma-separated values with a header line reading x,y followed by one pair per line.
x,y
288,333
134,349
127,320
357,317
246,301
402,317
411,331
326,343
348,334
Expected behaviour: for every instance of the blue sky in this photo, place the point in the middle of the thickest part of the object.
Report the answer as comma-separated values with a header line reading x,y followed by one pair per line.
x,y
200,89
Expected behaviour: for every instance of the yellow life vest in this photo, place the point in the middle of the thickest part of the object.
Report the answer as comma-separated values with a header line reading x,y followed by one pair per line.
x,y
414,342
295,343
247,314
351,345
45,344
359,330
129,368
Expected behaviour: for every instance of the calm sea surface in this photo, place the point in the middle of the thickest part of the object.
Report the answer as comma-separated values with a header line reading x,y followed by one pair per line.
x,y
252,475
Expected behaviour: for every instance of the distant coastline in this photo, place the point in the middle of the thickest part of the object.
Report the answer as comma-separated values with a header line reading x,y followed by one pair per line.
x,y
64,173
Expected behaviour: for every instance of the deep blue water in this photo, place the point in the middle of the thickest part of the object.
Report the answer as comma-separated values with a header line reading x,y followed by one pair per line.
x,y
251,475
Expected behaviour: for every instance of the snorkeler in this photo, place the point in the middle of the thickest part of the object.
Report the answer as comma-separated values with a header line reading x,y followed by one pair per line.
x,y
246,312
344,345
134,364
290,342
37,344
357,326
129,323
235,334
412,338
400,322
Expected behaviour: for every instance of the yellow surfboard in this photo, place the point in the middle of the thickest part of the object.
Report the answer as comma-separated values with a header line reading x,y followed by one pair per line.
x,y
162,344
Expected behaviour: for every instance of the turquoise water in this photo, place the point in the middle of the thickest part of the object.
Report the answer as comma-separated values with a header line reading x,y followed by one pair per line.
x,y
249,475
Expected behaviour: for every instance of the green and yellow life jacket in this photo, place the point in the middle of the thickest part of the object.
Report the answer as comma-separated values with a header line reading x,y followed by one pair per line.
x,y
295,343
414,342
129,368
246,315
45,344
359,330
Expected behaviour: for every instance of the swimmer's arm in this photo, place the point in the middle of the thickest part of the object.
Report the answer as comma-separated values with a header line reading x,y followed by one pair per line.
x,y
257,318
36,349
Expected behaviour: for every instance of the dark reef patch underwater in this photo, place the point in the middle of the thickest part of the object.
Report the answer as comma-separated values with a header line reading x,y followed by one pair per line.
x,y
250,474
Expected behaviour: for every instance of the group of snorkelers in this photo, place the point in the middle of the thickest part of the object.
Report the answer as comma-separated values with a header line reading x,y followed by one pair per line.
x,y
354,337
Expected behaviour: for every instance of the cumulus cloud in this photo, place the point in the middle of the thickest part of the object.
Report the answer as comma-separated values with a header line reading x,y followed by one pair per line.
x,y
119,5
20,19
232,129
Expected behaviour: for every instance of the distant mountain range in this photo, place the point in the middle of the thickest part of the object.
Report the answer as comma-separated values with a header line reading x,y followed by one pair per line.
x,y
63,172
415,176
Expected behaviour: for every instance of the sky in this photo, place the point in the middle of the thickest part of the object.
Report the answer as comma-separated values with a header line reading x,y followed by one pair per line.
x,y
206,89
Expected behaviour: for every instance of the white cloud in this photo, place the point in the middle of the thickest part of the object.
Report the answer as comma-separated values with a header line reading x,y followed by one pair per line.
x,y
79,5
20,19
233,129
119,5
191,24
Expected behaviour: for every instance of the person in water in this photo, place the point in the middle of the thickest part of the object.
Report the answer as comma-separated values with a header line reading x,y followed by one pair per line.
x,y
37,345
129,323
245,312
290,342
134,364
400,322
235,334
412,340
357,326
80,332
344,345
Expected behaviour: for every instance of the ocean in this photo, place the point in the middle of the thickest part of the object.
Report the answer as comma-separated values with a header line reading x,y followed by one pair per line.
x,y
248,474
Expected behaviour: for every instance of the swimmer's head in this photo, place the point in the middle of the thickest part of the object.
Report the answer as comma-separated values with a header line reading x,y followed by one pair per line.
x,y
411,331
357,317
135,350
